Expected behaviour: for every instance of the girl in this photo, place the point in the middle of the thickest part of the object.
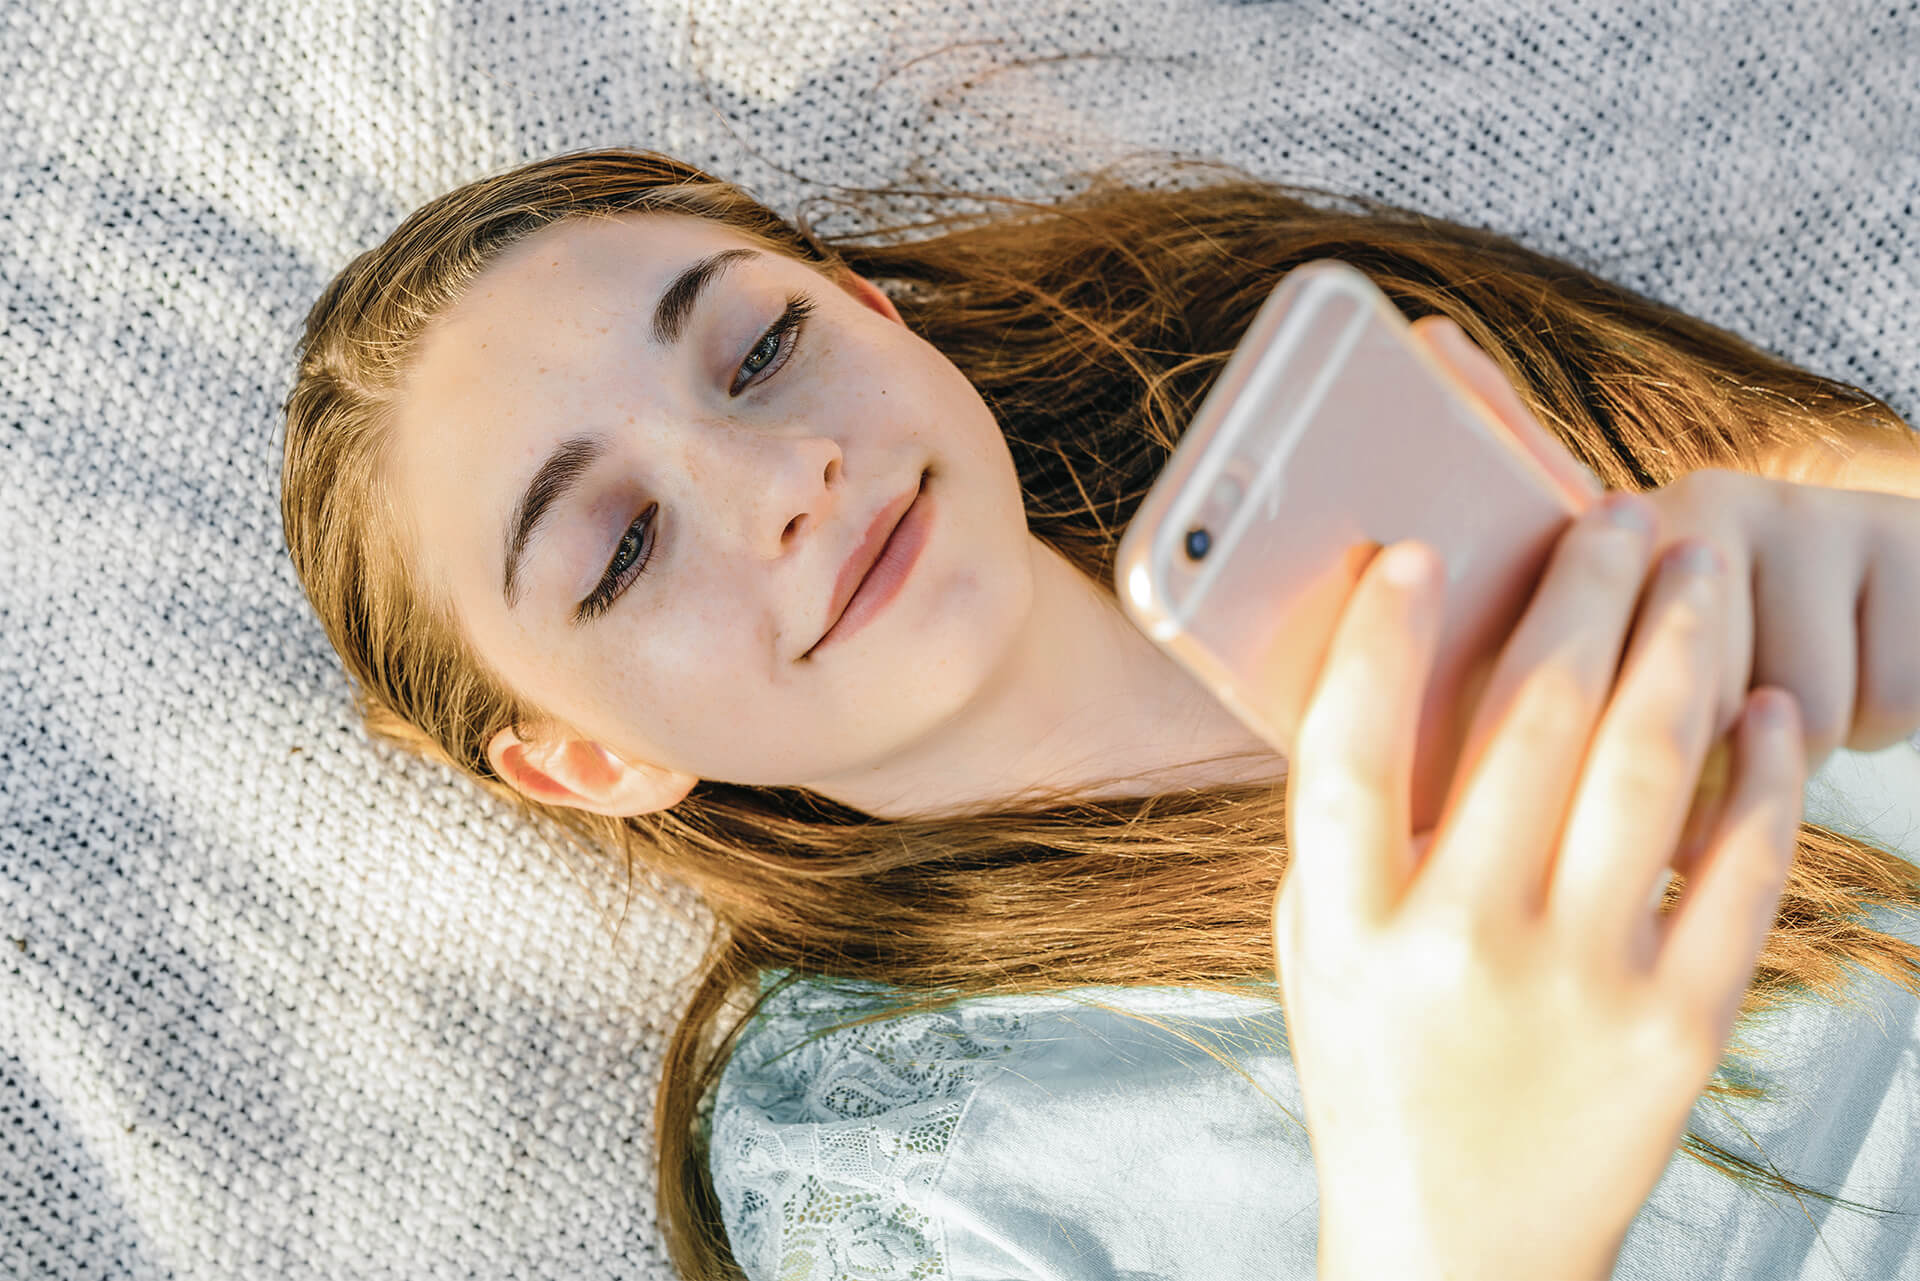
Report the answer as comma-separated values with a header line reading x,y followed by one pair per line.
x,y
585,463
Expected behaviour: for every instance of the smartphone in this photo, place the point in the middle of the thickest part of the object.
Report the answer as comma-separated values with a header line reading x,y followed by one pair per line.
x,y
1332,432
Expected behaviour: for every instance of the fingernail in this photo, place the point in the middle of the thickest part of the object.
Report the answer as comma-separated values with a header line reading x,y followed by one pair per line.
x,y
1452,336
1629,511
1771,710
1406,565
1695,558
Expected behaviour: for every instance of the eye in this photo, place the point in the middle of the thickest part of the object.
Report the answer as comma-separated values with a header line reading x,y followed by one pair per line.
x,y
635,548
774,342
627,564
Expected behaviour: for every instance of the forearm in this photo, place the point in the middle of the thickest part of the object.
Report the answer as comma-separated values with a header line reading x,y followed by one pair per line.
x,y
1379,1249
1422,1270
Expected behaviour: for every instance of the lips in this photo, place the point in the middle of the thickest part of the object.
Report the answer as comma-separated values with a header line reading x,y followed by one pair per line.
x,y
858,565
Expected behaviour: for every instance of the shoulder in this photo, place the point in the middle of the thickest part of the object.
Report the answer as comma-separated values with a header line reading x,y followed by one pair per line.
x,y
1009,1135
828,1136
1016,1135
806,1056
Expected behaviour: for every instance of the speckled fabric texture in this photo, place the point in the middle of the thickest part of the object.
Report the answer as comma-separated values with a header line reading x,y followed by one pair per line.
x,y
278,1002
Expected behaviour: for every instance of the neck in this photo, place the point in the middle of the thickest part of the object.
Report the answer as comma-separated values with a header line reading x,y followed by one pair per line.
x,y
1084,703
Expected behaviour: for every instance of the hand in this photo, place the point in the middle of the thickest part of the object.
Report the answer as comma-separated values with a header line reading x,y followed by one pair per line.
x,y
1826,600
1499,1046
1827,580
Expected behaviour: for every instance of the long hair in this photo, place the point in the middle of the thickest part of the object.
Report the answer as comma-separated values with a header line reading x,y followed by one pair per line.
x,y
1092,327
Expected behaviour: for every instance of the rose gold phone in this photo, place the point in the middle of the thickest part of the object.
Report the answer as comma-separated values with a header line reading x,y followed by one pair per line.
x,y
1333,432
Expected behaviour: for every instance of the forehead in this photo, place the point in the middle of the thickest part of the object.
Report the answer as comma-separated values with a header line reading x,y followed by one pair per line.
x,y
538,340
617,263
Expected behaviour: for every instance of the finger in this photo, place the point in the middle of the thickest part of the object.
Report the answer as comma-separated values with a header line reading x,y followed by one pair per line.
x,y
1349,784
1735,678
1647,756
1887,708
1728,508
1521,757
1817,659
1708,804
1703,952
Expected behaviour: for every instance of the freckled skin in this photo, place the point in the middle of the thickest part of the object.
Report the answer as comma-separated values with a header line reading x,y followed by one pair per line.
x,y
996,668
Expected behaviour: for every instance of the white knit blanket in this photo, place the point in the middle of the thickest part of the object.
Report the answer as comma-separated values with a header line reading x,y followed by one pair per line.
x,y
277,1002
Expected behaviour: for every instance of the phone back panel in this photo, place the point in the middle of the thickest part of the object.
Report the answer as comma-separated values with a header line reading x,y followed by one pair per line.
x,y
1330,433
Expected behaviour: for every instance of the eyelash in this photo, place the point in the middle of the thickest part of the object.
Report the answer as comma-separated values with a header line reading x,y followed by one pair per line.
x,y
791,321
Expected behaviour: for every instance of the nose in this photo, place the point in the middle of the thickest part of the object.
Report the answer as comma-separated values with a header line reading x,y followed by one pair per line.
x,y
800,493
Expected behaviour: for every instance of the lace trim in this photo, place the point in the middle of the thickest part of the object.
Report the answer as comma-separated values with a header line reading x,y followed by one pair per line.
x,y
823,1146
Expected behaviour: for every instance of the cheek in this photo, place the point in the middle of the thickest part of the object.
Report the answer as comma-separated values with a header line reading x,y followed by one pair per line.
x,y
690,676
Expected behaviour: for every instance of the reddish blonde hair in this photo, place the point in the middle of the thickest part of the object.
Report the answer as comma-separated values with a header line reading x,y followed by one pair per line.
x,y
1092,327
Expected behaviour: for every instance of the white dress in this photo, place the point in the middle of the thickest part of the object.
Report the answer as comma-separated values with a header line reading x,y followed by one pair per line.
x,y
1053,1137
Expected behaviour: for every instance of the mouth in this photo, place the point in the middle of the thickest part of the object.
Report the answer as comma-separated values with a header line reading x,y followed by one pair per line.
x,y
874,574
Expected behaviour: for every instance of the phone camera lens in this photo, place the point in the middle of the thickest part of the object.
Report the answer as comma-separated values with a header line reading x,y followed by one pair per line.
x,y
1198,541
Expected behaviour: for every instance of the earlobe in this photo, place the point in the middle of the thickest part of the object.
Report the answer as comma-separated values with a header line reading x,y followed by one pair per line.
x,y
580,774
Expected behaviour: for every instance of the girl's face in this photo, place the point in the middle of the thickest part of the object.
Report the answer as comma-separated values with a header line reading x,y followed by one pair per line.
x,y
666,602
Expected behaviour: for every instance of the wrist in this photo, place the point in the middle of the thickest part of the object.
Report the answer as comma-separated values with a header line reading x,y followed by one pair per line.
x,y
1385,1248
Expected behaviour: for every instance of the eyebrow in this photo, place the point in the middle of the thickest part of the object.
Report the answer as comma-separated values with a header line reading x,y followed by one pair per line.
x,y
574,457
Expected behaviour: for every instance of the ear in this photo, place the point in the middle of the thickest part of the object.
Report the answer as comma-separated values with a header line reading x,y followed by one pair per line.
x,y
584,775
869,293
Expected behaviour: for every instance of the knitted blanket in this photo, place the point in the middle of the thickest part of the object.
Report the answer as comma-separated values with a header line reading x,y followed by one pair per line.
x,y
277,1001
